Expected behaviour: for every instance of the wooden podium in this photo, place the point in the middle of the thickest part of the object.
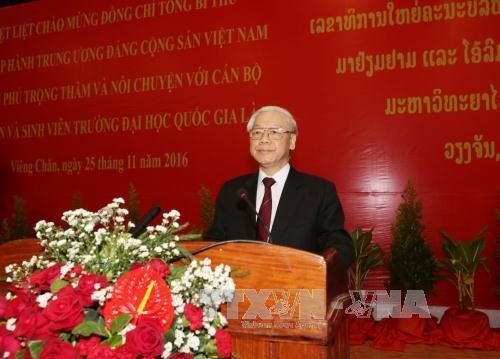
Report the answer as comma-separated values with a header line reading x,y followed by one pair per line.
x,y
288,303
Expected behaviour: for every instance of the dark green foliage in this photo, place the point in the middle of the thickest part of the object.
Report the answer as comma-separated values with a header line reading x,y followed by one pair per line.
x,y
4,231
368,256
133,204
207,209
411,264
76,201
463,260
18,227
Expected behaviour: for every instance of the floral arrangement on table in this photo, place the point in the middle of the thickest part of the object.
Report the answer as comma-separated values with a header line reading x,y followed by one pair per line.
x,y
97,292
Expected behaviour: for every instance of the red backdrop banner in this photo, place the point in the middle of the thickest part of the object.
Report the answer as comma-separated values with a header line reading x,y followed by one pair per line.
x,y
96,95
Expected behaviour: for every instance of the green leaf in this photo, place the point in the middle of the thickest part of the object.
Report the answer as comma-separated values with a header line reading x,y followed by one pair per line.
x,y
35,347
368,255
57,285
120,322
176,272
20,354
65,337
114,341
209,348
87,328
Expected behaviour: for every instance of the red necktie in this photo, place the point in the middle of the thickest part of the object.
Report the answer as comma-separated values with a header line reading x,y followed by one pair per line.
x,y
264,219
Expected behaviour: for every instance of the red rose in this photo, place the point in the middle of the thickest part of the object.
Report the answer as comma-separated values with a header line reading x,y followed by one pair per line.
x,y
92,348
87,345
87,285
56,348
64,312
8,344
32,324
43,279
159,266
194,315
223,343
102,351
19,304
123,353
146,339
76,271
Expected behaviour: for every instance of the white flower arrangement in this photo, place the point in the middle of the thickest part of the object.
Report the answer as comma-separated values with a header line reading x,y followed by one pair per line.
x,y
97,248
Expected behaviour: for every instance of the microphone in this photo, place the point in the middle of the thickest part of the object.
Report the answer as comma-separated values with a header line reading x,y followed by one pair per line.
x,y
243,195
141,225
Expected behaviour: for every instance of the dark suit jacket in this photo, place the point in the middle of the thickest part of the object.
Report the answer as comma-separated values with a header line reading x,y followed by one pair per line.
x,y
309,215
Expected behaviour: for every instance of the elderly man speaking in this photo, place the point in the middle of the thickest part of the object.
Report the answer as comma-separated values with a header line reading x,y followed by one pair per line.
x,y
295,209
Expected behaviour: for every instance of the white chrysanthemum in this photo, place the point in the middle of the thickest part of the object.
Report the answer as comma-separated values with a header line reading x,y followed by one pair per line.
x,y
40,225
43,299
119,219
211,331
222,319
167,350
193,341
65,269
11,324
122,211
158,249
179,338
101,295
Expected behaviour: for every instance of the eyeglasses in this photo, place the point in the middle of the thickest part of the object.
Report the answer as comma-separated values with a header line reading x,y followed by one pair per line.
x,y
273,133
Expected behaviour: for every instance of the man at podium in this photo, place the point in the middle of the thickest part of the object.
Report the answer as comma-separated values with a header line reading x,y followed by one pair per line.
x,y
295,209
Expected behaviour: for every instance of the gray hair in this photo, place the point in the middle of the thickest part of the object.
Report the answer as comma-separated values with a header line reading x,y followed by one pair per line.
x,y
281,110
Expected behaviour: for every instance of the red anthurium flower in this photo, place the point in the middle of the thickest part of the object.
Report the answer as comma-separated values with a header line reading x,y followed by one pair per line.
x,y
141,292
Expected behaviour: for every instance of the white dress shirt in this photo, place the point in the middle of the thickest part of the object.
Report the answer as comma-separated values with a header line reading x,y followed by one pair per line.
x,y
276,189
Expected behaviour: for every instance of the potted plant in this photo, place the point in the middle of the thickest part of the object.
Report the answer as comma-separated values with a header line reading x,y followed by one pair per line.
x,y
411,263
463,260
368,256
464,324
